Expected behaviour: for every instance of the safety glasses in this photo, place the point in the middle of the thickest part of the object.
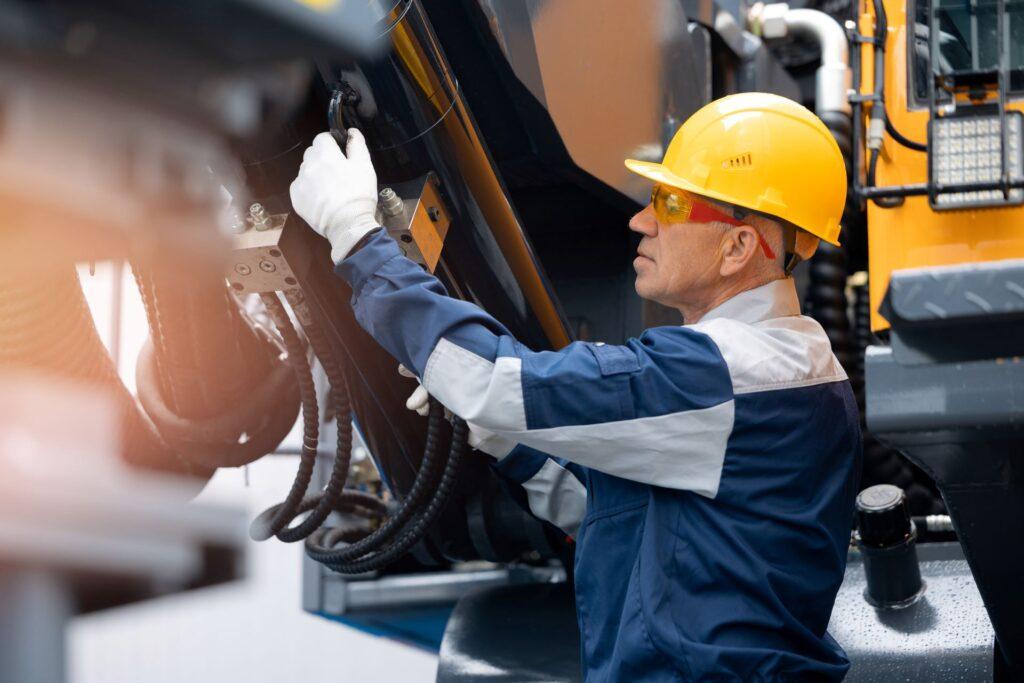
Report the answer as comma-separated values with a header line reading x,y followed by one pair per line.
x,y
678,206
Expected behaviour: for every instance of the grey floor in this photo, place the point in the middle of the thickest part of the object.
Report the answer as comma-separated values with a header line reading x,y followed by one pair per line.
x,y
252,631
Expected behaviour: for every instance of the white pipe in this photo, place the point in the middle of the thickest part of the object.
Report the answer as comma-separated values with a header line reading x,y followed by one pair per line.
x,y
833,78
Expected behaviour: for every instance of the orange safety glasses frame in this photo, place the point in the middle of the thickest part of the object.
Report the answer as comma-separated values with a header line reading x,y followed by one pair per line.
x,y
678,206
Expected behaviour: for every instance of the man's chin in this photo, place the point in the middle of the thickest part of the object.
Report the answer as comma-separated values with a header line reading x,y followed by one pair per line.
x,y
643,288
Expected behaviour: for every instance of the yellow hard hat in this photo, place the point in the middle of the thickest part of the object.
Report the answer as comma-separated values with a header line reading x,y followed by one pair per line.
x,y
761,152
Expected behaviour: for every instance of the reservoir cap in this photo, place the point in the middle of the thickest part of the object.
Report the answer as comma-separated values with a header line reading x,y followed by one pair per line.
x,y
882,516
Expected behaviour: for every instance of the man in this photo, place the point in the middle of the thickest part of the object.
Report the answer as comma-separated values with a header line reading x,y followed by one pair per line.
x,y
707,471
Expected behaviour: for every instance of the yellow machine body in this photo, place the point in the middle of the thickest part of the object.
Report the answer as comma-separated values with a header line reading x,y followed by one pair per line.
x,y
913,235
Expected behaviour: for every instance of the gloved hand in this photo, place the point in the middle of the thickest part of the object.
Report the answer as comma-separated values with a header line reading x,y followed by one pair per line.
x,y
337,193
479,438
419,400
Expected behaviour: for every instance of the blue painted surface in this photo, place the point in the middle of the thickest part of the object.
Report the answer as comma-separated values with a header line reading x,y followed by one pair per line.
x,y
421,627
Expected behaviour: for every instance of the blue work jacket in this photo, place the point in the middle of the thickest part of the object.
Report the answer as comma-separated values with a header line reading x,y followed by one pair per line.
x,y
707,471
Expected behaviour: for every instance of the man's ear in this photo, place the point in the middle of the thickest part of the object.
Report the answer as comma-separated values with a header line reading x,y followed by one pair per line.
x,y
739,246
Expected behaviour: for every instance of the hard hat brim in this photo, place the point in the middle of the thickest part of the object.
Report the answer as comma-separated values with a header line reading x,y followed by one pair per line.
x,y
660,174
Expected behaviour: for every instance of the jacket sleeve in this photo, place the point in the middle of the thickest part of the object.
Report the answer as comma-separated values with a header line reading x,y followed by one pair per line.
x,y
555,489
657,410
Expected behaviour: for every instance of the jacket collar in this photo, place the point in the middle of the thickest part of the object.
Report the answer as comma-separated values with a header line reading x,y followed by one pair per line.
x,y
776,299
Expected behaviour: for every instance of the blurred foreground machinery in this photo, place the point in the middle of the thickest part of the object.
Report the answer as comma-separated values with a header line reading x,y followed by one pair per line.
x,y
117,122
498,131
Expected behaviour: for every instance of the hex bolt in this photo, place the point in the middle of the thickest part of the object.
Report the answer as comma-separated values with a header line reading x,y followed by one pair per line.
x,y
390,203
260,217
267,267
243,269
433,213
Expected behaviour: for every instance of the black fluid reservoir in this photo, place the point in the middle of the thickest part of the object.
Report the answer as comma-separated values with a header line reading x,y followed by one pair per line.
x,y
887,540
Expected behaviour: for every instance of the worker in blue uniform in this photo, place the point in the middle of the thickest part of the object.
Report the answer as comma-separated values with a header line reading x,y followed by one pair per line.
x,y
707,471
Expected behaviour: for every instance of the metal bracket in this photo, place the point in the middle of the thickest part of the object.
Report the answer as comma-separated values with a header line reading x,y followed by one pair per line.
x,y
258,262
417,218
859,97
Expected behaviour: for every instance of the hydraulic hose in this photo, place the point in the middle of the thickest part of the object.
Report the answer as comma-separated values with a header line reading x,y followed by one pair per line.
x,y
841,126
265,416
828,268
278,517
328,499
879,122
414,532
426,479
209,377
884,465
827,295
826,300
903,140
861,338
398,533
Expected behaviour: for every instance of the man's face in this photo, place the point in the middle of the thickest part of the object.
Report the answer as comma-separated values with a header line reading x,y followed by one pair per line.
x,y
676,263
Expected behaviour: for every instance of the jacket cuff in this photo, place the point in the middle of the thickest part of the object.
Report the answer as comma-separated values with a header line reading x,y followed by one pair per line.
x,y
376,249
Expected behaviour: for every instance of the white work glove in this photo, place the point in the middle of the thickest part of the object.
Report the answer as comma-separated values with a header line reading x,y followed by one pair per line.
x,y
337,193
479,438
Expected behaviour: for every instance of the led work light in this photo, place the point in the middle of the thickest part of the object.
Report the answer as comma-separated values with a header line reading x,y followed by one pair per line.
x,y
967,150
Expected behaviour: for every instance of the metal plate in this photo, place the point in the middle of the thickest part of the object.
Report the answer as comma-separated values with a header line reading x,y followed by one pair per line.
x,y
945,636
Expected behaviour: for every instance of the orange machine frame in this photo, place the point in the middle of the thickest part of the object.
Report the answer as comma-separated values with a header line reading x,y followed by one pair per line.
x,y
913,235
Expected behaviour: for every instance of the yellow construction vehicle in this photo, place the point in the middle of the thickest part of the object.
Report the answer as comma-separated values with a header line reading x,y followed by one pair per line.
x,y
939,113
915,218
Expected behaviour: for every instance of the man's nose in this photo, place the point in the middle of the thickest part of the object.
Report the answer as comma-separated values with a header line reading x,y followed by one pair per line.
x,y
644,222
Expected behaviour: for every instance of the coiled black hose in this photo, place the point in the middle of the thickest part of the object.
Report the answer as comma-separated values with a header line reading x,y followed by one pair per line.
x,y
828,305
329,498
861,340
273,520
208,375
426,479
827,291
427,497
884,465
280,516
827,294
411,534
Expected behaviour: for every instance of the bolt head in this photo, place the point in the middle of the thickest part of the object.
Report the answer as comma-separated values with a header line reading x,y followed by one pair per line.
x,y
433,213
773,21
256,209
267,267
243,269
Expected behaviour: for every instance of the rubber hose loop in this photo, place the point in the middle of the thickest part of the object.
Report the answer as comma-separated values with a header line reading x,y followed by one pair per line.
x,y
348,501
213,442
310,418
421,486
343,448
417,529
